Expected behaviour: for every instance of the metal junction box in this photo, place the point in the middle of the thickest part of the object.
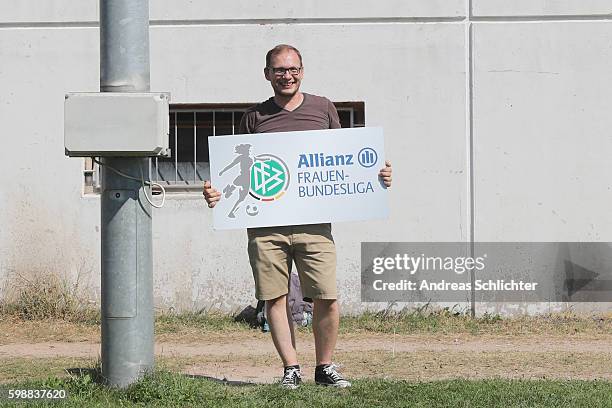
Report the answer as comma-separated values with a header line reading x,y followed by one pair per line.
x,y
116,124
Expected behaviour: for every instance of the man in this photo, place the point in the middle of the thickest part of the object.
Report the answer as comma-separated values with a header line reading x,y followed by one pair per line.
x,y
272,250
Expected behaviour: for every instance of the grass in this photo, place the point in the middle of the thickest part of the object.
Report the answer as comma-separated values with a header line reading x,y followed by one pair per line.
x,y
22,369
204,321
166,389
26,324
419,320
47,297
449,321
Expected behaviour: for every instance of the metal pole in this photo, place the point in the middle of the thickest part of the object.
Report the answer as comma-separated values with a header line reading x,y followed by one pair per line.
x,y
127,278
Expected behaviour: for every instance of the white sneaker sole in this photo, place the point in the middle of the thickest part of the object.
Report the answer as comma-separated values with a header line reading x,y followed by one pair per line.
x,y
339,385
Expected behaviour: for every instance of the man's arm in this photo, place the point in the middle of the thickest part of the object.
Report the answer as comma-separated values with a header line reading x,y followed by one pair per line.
x,y
245,126
332,113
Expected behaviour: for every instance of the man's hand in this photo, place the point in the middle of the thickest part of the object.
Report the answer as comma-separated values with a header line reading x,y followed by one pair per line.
x,y
385,173
211,195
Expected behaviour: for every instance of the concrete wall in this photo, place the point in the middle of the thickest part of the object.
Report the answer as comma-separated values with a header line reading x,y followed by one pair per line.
x,y
534,72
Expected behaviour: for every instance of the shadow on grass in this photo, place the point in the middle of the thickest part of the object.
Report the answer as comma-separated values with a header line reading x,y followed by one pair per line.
x,y
95,375
223,381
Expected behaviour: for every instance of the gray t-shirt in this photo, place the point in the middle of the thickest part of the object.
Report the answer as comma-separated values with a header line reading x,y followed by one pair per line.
x,y
315,113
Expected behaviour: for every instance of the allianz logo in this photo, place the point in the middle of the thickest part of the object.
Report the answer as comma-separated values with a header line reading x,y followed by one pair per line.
x,y
367,157
323,160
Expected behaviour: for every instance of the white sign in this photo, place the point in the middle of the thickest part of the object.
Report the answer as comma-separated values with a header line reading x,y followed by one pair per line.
x,y
293,178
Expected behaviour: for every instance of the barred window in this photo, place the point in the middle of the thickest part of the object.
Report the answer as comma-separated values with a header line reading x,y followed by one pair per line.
x,y
190,127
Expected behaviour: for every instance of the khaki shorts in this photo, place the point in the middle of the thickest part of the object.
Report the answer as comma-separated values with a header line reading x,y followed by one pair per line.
x,y
273,249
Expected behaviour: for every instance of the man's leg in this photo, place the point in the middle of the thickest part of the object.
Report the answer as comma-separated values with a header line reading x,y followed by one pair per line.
x,y
315,258
270,258
325,320
282,329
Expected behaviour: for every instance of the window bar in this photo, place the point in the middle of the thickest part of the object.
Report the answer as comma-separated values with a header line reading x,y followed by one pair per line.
x,y
95,176
214,125
175,153
233,123
352,111
99,171
195,149
156,169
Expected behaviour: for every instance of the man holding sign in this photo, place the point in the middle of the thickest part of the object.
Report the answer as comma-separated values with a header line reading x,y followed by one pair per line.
x,y
273,249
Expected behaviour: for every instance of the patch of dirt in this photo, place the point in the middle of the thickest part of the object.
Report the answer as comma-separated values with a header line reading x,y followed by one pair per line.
x,y
250,356
237,345
423,366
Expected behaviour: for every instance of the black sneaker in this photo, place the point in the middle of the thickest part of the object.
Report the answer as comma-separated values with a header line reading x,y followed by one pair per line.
x,y
327,374
292,378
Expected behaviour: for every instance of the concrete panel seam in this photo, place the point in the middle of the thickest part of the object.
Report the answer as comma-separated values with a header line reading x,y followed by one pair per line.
x,y
469,68
469,119
324,21
65,24
224,22
541,18
469,129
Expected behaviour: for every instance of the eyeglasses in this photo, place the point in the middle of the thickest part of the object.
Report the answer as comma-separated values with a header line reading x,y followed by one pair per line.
x,y
281,71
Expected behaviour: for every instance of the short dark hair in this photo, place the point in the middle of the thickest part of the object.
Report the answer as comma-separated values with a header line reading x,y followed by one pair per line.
x,y
281,48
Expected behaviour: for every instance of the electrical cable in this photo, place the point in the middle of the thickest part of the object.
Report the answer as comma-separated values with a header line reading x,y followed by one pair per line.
x,y
142,180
